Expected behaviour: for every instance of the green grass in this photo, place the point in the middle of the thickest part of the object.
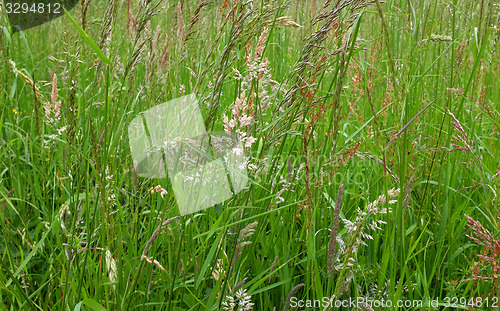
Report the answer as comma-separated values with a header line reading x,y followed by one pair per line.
x,y
337,92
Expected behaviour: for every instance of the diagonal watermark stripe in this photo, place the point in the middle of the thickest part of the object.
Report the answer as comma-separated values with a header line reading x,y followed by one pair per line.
x,y
171,140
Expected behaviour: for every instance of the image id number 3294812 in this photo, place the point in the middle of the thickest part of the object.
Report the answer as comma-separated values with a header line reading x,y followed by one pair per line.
x,y
32,8
488,302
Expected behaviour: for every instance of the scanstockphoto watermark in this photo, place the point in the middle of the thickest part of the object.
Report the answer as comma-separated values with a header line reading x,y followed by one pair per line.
x,y
171,140
321,166
315,159
206,167
360,303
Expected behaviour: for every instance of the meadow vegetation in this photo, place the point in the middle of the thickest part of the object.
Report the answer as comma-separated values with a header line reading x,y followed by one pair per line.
x,y
372,130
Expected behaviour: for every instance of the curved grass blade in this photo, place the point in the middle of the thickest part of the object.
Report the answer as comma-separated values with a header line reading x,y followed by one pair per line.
x,y
89,40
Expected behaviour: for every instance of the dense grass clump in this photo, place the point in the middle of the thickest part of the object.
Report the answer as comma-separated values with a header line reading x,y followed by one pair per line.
x,y
372,131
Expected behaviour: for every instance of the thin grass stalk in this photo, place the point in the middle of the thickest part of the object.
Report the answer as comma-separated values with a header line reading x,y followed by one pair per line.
x,y
155,234
346,259
225,63
244,234
244,27
35,104
181,34
84,8
307,182
333,232
291,294
309,54
392,66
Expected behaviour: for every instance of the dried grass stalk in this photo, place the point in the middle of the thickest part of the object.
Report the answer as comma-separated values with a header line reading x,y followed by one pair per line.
x,y
245,233
291,294
285,21
334,231
132,23
156,233
195,19
53,95
239,285
180,24
153,261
